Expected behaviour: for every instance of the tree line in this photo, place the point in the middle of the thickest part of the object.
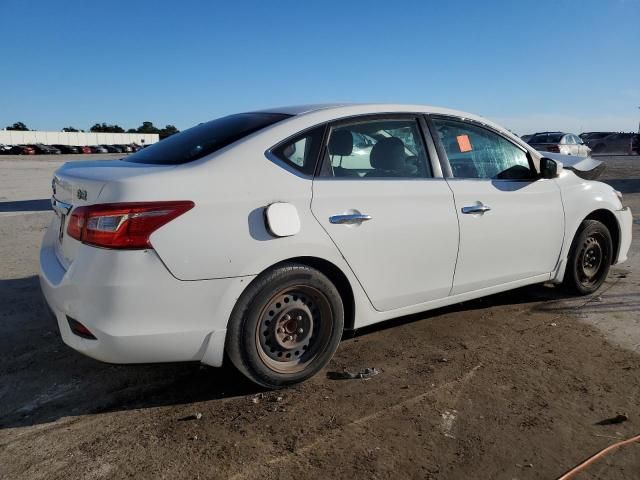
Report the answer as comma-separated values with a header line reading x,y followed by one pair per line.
x,y
146,127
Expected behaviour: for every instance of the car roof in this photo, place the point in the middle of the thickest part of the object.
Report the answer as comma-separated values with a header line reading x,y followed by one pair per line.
x,y
346,109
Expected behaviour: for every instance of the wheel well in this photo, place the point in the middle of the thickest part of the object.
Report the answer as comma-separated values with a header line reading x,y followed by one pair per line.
x,y
338,278
609,220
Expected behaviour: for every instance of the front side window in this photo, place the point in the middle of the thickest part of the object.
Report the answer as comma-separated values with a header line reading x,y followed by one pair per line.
x,y
476,152
203,139
385,148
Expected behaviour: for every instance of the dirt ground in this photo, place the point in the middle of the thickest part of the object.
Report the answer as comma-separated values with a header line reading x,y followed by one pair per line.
x,y
507,387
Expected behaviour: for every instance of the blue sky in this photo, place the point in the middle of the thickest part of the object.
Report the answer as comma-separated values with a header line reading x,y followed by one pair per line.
x,y
530,65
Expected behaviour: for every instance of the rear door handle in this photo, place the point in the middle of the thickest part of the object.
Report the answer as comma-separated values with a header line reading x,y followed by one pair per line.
x,y
479,208
350,219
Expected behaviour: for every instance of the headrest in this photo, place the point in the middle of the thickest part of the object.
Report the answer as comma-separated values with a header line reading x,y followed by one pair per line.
x,y
388,154
289,150
341,143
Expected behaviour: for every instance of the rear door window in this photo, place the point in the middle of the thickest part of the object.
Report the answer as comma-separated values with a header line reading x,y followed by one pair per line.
x,y
376,148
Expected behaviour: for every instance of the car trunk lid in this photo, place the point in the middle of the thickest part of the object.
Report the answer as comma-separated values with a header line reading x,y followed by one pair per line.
x,y
81,183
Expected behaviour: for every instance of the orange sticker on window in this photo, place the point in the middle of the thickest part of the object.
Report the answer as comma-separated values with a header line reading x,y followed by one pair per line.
x,y
464,143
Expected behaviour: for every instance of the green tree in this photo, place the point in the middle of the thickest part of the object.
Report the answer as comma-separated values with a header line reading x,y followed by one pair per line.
x,y
70,129
167,131
18,126
147,127
105,128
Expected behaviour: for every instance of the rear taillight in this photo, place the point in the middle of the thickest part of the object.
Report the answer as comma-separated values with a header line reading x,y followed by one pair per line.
x,y
123,225
553,148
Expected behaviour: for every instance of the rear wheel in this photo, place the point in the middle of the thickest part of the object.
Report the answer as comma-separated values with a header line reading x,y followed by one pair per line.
x,y
286,326
589,258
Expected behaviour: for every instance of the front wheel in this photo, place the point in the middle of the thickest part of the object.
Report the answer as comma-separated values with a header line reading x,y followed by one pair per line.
x,y
589,258
286,326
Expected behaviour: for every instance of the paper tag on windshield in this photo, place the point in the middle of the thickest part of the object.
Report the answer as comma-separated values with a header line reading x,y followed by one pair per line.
x,y
464,143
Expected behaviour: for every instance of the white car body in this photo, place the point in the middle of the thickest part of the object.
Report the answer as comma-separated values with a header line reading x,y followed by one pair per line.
x,y
172,302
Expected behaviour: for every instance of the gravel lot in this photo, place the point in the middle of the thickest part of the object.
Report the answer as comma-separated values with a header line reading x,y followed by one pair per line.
x,y
510,386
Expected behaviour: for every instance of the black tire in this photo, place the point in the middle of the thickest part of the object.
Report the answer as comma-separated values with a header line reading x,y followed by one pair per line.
x,y
589,258
286,326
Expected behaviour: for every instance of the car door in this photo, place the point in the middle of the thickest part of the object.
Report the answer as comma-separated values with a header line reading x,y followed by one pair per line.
x,y
570,145
511,221
393,221
583,150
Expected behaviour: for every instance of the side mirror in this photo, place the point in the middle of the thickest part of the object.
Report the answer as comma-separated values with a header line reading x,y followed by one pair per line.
x,y
548,168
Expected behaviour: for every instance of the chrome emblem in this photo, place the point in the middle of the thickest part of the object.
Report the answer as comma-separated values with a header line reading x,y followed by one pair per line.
x,y
81,194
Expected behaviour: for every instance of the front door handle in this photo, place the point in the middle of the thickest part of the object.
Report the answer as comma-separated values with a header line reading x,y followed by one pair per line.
x,y
479,208
350,219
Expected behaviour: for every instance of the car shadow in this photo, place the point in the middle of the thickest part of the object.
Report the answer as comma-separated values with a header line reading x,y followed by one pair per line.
x,y
528,294
39,205
44,380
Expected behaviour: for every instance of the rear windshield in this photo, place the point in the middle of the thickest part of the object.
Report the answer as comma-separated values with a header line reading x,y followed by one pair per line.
x,y
204,139
546,138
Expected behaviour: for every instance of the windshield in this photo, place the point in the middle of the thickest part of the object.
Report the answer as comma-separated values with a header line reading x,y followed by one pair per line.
x,y
204,139
546,138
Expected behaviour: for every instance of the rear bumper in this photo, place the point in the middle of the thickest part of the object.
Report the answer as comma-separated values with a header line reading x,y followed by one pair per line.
x,y
625,220
136,309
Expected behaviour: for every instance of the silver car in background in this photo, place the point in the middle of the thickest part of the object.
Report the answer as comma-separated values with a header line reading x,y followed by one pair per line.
x,y
559,142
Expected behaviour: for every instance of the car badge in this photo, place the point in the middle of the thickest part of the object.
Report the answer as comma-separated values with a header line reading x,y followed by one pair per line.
x,y
81,194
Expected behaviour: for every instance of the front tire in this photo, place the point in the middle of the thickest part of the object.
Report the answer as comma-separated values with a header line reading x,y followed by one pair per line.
x,y
589,258
286,326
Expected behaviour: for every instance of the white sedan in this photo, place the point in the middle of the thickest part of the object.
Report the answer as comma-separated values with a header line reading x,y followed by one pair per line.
x,y
267,234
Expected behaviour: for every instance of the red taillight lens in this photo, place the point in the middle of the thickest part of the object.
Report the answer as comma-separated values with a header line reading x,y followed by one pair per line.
x,y
123,225
553,148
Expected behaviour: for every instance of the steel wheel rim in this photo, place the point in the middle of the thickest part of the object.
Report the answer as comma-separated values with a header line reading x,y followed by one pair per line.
x,y
293,328
591,260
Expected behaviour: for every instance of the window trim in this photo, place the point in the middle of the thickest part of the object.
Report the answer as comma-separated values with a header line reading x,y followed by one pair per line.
x,y
444,158
367,117
290,166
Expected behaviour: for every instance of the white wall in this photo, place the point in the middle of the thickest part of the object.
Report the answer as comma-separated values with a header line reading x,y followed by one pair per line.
x,y
12,137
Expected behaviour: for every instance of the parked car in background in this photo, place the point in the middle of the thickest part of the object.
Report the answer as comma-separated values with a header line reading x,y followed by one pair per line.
x,y
559,142
125,148
111,148
265,235
84,149
22,150
98,149
621,143
41,149
585,136
67,148
4,149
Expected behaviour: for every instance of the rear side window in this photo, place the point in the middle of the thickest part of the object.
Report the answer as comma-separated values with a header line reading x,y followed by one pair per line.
x,y
204,139
546,138
301,151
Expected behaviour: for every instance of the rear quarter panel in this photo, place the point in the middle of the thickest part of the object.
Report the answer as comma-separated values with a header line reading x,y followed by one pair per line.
x,y
225,234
